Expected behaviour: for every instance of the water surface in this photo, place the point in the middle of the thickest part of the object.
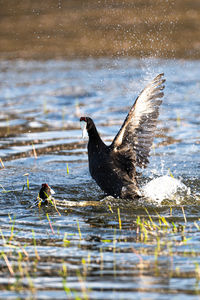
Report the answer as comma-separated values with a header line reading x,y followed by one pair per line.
x,y
95,252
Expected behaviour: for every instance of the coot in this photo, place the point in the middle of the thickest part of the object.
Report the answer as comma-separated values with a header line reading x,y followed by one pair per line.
x,y
113,167
45,193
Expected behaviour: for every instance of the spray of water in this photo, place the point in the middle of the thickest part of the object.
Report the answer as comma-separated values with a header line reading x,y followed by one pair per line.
x,y
165,187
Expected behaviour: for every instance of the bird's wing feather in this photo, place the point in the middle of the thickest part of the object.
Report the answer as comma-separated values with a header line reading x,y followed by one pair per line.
x,y
135,137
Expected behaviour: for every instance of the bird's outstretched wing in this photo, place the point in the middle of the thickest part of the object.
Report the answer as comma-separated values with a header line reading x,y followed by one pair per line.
x,y
135,137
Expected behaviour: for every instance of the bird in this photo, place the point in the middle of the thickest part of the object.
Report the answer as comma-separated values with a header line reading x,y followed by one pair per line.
x,y
44,196
45,193
113,166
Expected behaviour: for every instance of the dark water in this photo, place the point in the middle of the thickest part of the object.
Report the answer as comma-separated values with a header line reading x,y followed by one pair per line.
x,y
95,252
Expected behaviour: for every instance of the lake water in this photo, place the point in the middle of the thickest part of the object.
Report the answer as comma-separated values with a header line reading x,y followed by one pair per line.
x,y
111,249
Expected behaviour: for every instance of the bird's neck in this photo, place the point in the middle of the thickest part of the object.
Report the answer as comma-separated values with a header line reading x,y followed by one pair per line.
x,y
94,137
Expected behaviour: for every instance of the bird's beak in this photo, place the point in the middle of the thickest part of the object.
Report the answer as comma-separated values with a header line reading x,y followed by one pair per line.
x,y
84,130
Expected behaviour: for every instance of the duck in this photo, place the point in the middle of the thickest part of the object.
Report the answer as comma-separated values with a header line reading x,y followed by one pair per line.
x,y
113,166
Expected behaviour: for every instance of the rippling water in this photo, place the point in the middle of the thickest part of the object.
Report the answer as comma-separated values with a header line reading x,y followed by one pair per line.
x,y
95,251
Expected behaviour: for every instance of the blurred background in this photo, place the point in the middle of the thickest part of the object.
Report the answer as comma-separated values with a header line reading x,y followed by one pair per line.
x,y
82,28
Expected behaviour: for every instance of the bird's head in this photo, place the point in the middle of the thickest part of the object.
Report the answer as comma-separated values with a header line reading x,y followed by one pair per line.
x,y
45,191
86,124
89,122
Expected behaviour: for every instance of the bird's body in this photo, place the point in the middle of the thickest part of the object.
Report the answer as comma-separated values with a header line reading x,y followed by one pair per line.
x,y
114,167
107,170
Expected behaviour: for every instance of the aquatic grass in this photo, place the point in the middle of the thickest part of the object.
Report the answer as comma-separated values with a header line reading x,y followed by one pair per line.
x,y
27,182
34,151
85,262
66,288
2,164
175,229
4,191
84,265
184,214
119,219
50,223
64,270
197,271
2,236
53,203
8,244
67,166
161,247
185,240
145,229
35,245
64,275
30,283
20,268
162,221
83,287
7,263
39,203
106,241
12,227
142,229
110,209
157,248
153,225
196,225
79,230
22,248
66,242
155,230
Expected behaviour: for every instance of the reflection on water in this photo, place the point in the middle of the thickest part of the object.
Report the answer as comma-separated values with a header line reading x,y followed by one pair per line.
x,y
90,250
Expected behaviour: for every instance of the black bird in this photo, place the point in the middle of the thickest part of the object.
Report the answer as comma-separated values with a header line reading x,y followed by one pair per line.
x,y
45,193
114,167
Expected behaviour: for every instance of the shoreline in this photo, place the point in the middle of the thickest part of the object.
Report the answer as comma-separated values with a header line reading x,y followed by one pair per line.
x,y
81,29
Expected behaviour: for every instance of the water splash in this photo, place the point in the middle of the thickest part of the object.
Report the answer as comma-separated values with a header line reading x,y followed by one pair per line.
x,y
165,187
